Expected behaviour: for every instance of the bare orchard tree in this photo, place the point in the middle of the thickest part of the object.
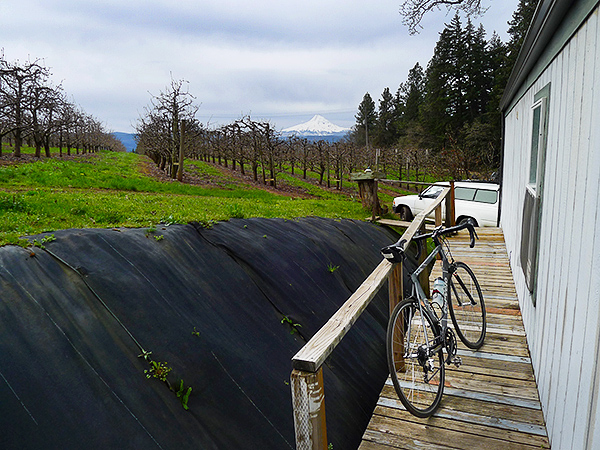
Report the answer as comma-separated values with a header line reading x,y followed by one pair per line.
x,y
153,138
43,107
195,137
18,82
339,156
173,105
321,158
304,154
272,145
69,118
412,11
5,126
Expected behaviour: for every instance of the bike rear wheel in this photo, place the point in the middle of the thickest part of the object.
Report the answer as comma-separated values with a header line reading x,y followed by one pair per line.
x,y
409,332
466,305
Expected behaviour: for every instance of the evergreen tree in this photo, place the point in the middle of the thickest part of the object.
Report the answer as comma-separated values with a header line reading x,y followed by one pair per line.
x,y
454,104
518,26
478,72
441,84
408,102
385,133
366,120
414,93
493,116
400,108
457,73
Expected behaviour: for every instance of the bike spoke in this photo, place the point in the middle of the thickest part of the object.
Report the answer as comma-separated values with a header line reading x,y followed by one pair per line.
x,y
418,387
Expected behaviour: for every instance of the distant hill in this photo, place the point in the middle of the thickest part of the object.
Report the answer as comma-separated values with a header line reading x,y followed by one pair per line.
x,y
128,140
317,128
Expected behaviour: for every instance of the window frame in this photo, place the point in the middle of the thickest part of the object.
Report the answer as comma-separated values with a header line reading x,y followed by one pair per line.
x,y
532,208
539,137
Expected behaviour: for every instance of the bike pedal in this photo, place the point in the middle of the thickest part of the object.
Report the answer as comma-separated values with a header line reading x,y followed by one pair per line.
x,y
457,361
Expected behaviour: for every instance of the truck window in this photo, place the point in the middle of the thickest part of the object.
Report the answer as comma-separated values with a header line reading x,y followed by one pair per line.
x,y
485,196
432,192
464,193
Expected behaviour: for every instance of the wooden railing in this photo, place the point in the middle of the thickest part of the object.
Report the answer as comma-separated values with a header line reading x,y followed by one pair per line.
x,y
308,392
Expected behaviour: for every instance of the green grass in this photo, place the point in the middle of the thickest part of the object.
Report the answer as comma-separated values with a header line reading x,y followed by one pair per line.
x,y
110,190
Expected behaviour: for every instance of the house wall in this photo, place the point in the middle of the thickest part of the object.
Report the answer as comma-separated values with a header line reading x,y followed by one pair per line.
x,y
563,328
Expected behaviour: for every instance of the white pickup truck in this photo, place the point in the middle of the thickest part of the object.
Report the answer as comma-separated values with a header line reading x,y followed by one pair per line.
x,y
473,200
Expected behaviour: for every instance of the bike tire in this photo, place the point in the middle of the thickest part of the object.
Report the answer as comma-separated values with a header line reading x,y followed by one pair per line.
x,y
467,307
420,397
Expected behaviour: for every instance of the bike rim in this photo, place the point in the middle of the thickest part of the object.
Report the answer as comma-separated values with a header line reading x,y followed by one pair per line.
x,y
418,395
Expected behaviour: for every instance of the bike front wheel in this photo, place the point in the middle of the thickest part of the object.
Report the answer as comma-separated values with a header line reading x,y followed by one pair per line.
x,y
416,371
466,305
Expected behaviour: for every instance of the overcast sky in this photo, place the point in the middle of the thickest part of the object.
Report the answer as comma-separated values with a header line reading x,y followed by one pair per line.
x,y
281,61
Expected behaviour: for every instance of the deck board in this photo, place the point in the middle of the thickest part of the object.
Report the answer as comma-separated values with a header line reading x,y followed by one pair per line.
x,y
491,401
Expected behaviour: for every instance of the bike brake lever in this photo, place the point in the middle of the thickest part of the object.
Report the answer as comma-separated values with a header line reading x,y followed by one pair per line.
x,y
419,249
394,253
473,234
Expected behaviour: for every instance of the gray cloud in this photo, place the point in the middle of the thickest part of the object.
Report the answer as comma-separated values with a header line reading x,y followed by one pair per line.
x,y
283,61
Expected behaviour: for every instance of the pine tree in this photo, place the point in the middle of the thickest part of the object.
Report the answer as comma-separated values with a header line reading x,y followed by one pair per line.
x,y
415,92
455,102
366,120
477,70
385,132
518,26
408,102
457,74
441,84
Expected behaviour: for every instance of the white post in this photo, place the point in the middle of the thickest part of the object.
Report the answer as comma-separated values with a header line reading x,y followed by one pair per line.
x,y
308,398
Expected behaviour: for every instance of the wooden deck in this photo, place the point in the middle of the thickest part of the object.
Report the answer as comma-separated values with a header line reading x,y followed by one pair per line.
x,y
491,401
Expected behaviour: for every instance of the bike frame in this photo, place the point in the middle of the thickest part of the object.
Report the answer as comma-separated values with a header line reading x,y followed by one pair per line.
x,y
422,297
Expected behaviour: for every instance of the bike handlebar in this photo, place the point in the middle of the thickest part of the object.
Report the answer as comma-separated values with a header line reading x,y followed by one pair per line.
x,y
468,224
395,252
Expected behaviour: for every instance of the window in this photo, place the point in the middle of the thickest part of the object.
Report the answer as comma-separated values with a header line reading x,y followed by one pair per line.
x,y
476,195
485,196
432,192
532,205
538,137
463,193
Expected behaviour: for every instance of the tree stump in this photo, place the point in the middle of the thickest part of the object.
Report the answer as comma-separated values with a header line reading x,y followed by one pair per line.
x,y
367,190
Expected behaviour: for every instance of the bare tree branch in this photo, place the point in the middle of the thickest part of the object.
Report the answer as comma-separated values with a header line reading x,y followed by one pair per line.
x,y
413,11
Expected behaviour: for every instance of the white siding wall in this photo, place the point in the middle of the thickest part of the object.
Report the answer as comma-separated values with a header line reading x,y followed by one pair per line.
x,y
563,330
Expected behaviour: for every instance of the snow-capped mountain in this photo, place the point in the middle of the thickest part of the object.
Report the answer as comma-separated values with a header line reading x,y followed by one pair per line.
x,y
317,127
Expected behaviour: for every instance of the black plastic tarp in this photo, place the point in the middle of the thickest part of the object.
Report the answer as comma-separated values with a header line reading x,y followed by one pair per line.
x,y
214,304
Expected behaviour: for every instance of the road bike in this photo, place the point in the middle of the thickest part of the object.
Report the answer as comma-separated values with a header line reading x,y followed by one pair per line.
x,y
418,331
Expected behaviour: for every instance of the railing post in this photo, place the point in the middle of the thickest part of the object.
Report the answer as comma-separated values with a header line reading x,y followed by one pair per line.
x,y
438,216
424,277
396,295
395,286
308,399
450,211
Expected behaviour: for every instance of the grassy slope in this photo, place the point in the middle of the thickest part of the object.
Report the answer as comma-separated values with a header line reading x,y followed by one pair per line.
x,y
111,190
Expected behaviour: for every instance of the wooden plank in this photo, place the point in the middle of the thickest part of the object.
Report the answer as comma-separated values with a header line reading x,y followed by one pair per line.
x,y
422,435
491,400
496,368
393,223
505,429
388,393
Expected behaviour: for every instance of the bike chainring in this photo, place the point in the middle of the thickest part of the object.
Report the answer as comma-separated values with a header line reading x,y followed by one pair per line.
x,y
450,344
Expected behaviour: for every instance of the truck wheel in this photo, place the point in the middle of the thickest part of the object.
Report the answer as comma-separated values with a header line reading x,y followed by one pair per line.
x,y
405,214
